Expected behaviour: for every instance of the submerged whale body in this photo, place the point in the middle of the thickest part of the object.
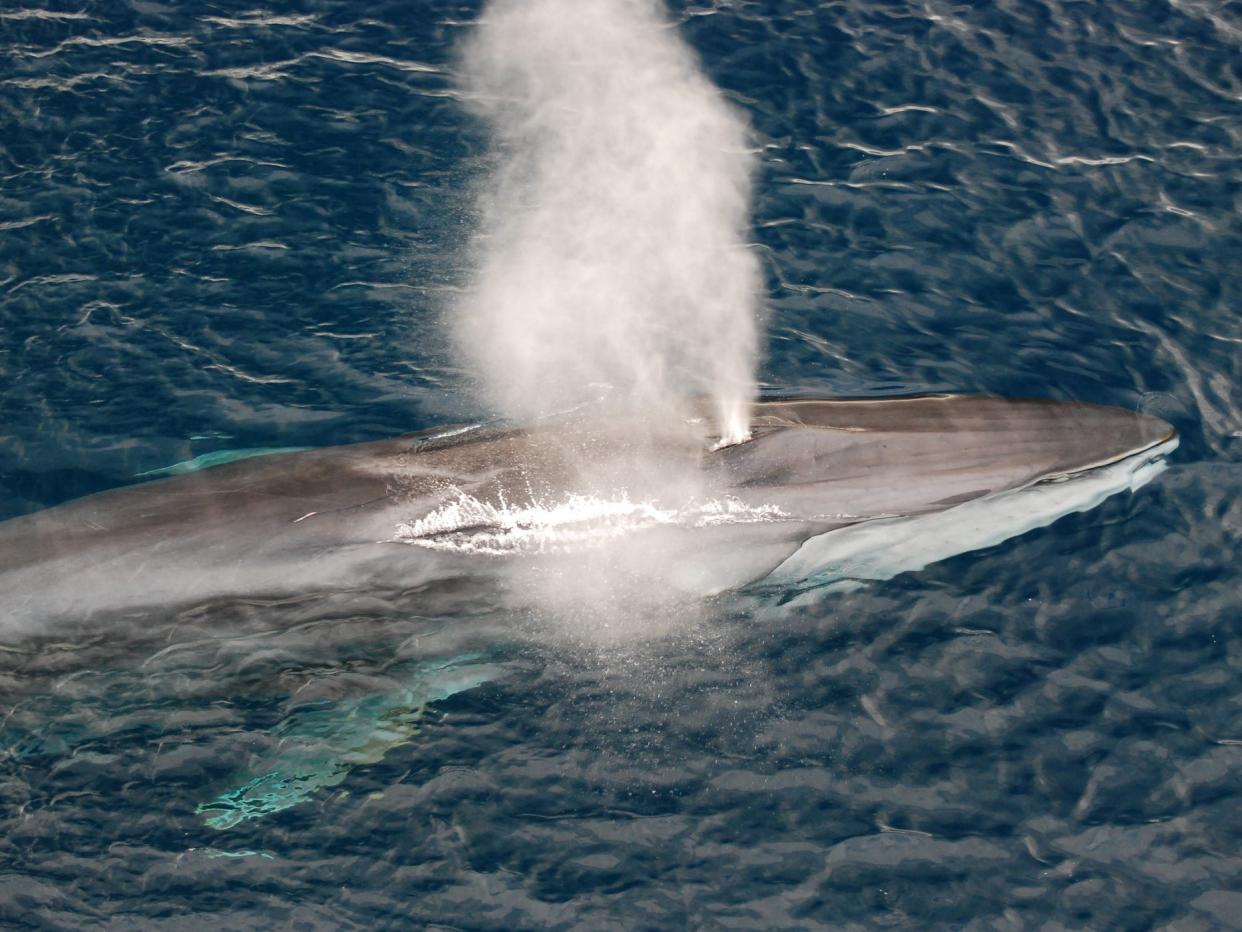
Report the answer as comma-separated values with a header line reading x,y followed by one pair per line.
x,y
824,491
266,573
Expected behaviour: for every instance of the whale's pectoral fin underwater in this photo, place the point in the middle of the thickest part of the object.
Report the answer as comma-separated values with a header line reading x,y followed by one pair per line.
x,y
826,492
319,746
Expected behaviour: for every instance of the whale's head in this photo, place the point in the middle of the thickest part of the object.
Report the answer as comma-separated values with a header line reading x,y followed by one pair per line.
x,y
871,457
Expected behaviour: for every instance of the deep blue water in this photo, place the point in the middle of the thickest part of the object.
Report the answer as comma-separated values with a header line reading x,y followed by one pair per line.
x,y
224,227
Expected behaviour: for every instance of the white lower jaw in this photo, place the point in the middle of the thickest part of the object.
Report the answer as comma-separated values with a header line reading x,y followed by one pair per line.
x,y
886,547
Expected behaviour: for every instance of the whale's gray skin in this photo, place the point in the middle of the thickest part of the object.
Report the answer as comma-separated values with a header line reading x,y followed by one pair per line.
x,y
331,520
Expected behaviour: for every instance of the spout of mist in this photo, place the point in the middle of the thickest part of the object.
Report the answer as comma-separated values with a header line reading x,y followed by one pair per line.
x,y
612,238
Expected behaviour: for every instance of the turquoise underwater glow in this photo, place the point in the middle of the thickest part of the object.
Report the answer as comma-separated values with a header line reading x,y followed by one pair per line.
x,y
318,746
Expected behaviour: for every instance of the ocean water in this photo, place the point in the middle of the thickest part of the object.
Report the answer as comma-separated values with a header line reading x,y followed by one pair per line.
x,y
226,226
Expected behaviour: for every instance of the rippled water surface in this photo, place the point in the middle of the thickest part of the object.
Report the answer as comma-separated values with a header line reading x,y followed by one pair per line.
x,y
225,226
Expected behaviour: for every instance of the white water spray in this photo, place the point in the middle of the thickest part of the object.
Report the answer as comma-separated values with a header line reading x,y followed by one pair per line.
x,y
611,260
576,522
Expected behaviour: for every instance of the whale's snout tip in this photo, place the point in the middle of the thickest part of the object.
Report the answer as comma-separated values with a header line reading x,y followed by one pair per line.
x,y
1155,430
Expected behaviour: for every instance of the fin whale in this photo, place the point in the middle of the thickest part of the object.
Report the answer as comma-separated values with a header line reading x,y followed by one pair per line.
x,y
796,504
139,597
